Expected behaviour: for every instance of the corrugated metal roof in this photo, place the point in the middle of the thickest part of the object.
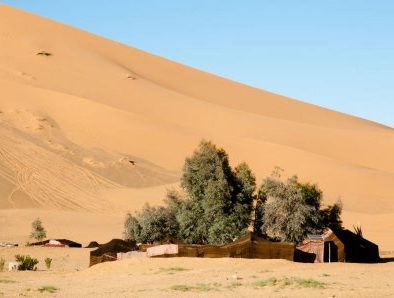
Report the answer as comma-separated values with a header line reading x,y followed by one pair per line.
x,y
315,237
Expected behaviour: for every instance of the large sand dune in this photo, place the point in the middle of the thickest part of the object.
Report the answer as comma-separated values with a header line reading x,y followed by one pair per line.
x,y
97,126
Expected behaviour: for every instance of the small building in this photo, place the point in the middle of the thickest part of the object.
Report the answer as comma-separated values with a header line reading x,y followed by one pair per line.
x,y
336,246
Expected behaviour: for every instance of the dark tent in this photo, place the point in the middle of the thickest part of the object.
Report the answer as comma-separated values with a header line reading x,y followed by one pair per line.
x,y
336,246
64,242
108,251
358,249
93,244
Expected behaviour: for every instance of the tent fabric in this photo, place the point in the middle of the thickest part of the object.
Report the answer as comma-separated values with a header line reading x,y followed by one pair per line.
x,y
93,244
166,249
108,251
63,242
358,249
249,246
338,245
130,254
312,250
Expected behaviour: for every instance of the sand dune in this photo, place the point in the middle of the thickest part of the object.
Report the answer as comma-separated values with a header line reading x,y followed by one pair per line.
x,y
99,126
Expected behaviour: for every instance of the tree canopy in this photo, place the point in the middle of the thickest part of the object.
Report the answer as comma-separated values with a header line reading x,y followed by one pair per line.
x,y
293,209
218,204
216,207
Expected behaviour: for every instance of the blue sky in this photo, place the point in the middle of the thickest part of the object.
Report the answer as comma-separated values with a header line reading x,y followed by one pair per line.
x,y
334,53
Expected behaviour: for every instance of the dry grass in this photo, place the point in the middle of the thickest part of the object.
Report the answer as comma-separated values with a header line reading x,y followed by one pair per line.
x,y
290,282
49,289
7,281
201,287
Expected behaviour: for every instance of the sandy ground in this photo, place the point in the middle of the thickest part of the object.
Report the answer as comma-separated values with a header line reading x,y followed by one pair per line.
x,y
192,277
96,128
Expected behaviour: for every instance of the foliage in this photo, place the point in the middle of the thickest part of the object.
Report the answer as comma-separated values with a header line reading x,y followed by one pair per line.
x,y
219,200
27,263
219,203
216,207
293,209
153,224
48,263
2,264
358,231
49,289
7,281
201,287
292,281
38,231
331,216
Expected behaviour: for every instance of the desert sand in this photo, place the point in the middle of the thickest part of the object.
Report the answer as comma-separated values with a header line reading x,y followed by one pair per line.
x,y
191,277
91,128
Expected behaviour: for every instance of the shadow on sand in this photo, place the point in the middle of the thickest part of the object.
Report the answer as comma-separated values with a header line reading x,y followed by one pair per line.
x,y
386,260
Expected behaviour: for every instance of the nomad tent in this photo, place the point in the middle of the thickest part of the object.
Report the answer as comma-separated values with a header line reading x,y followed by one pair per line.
x,y
336,246
108,251
57,243
249,246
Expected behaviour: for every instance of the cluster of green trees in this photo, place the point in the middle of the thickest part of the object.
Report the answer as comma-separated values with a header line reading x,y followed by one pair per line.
x,y
218,204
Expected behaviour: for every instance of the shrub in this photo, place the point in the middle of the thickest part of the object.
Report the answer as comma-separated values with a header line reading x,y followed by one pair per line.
x,y
38,231
27,263
153,224
2,264
48,263
49,289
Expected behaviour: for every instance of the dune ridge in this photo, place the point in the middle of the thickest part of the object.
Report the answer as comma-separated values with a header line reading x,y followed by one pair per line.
x,y
85,126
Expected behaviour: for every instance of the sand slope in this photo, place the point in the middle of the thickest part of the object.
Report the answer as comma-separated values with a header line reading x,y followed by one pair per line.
x,y
97,126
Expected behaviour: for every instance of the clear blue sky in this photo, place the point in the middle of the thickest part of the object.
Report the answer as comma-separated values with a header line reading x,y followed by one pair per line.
x,y
334,53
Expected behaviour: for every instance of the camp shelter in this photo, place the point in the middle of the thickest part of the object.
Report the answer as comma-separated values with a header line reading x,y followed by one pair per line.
x,y
57,243
249,246
325,247
336,246
357,248
108,251
92,244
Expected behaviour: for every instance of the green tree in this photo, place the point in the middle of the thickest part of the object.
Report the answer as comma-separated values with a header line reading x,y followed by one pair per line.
x,y
153,224
220,200
38,231
215,208
293,209
331,216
